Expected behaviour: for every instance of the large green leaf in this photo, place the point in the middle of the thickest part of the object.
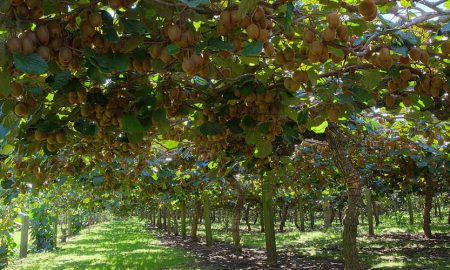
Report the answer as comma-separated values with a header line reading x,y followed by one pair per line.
x,y
110,62
133,128
195,3
5,83
263,149
247,5
252,49
159,118
132,26
31,64
209,128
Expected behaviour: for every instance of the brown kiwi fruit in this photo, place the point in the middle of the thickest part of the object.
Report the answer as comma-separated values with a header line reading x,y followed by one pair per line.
x,y
269,50
21,109
263,35
33,3
424,56
65,55
54,28
61,137
42,34
14,45
253,31
36,13
16,89
405,74
368,9
333,20
155,50
22,11
308,36
300,76
87,30
115,4
333,113
415,53
95,19
40,135
15,3
226,19
407,101
235,17
342,32
174,32
390,101
445,47
165,56
31,35
329,34
27,46
188,65
258,14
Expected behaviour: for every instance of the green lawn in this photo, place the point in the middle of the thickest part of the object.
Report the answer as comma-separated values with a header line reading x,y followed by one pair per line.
x,y
111,245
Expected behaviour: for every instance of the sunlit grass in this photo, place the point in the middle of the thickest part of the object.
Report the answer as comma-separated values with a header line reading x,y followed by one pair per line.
x,y
112,245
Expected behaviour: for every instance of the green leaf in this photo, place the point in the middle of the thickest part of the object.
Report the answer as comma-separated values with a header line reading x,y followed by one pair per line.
x,y
263,149
5,83
371,78
173,49
288,17
446,27
133,128
31,64
338,52
302,117
132,26
252,49
132,43
217,44
209,128
403,50
246,5
318,126
159,118
408,38
195,3
60,80
252,136
110,62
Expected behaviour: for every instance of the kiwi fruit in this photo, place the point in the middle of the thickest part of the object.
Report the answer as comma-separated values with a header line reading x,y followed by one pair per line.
x,y
115,4
405,74
33,3
407,101
43,34
424,56
300,76
308,36
333,113
253,31
36,13
31,35
269,50
87,30
16,89
445,47
263,35
22,11
72,97
225,18
415,53
174,32
44,52
27,46
95,19
15,3
188,65
258,14
61,137
333,20
235,17
21,109
14,45
155,50
54,28
390,101
368,9
165,56
342,32
40,135
329,34
65,55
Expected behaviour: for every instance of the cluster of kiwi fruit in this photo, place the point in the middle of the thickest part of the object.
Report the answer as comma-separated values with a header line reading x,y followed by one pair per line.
x,y
299,78
382,58
286,58
196,64
174,101
318,52
257,26
418,54
431,85
25,102
260,106
25,9
333,112
445,47
52,139
77,97
401,81
334,30
180,34
368,9
106,115
141,66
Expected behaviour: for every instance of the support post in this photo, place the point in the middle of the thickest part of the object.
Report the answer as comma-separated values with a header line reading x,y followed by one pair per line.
x,y
24,236
269,226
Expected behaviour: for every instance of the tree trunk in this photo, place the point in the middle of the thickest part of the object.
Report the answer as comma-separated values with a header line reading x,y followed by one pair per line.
x,y
256,218
376,212
159,221
183,218
236,218
328,216
247,217
369,208
428,205
196,219
284,214
410,209
311,215
301,212
164,216
438,202
55,231
206,216
175,222
338,143
340,214
268,216
261,210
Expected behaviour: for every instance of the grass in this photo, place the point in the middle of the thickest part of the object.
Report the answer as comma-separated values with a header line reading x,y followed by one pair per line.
x,y
375,252
111,245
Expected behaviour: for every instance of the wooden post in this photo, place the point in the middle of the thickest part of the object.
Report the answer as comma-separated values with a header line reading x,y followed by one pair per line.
x,y
369,207
183,218
55,231
24,236
269,226
410,209
301,210
69,225
206,216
